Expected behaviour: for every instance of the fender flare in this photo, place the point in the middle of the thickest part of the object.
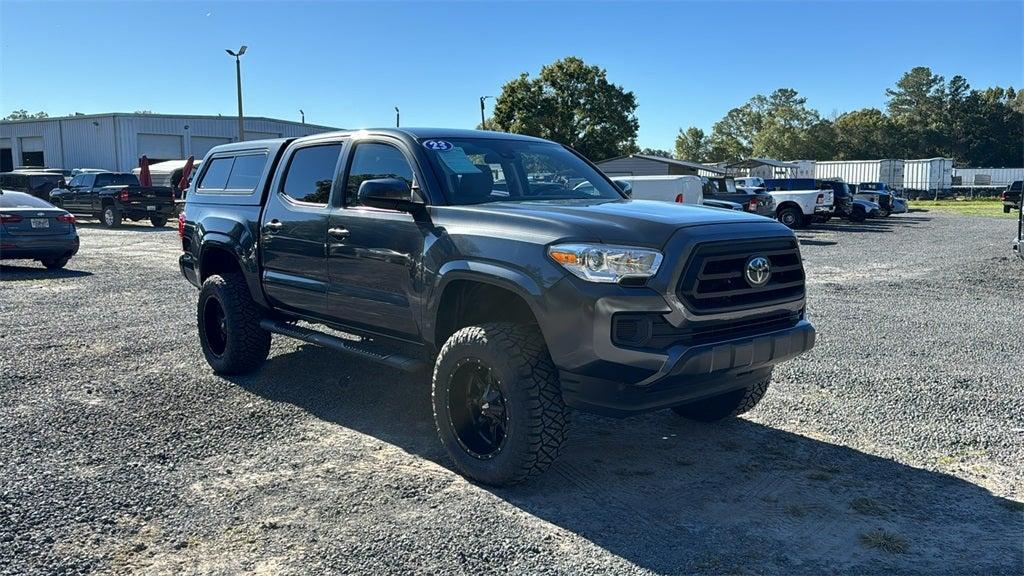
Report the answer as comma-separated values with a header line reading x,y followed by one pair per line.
x,y
510,279
222,241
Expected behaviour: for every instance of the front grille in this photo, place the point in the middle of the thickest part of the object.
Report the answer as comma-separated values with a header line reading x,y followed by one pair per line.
x,y
652,331
714,279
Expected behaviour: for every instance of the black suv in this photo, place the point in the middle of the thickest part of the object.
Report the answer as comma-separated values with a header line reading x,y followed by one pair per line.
x,y
522,278
38,183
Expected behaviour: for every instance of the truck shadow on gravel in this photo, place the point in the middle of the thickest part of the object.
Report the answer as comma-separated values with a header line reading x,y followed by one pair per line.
x,y
876,225
674,496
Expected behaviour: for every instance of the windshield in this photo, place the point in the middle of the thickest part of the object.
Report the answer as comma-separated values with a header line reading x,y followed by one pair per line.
x,y
474,171
874,186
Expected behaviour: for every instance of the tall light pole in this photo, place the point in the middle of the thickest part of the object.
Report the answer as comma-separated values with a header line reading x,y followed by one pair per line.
x,y
238,77
303,115
483,121
398,117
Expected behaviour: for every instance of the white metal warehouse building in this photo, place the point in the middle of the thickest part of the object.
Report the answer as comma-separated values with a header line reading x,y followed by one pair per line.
x,y
116,141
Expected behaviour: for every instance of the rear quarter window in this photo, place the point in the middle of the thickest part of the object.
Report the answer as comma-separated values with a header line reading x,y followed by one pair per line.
x,y
233,174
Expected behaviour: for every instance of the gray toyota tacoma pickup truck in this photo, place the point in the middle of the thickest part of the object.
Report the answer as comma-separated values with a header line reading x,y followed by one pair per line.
x,y
479,254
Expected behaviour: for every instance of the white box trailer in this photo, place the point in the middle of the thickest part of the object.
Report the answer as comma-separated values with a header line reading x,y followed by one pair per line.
x,y
804,168
1000,177
889,171
927,176
683,189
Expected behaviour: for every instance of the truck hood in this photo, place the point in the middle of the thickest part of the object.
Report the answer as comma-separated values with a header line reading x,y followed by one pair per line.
x,y
633,222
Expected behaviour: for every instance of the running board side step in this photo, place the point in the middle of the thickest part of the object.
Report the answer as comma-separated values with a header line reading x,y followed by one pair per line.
x,y
399,361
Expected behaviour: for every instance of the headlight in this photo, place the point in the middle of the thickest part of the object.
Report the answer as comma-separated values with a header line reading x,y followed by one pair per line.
x,y
603,263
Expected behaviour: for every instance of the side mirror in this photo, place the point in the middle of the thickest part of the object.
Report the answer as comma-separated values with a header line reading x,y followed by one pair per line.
x,y
387,193
626,187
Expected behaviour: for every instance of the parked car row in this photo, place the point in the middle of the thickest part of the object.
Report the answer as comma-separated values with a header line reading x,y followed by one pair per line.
x,y
108,196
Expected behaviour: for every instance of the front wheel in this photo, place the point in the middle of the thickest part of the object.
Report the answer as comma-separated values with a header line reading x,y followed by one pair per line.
x,y
1006,209
158,221
791,217
229,326
111,216
498,403
857,216
725,405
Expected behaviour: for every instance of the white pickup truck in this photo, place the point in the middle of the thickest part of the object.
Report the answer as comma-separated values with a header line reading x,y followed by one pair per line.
x,y
798,201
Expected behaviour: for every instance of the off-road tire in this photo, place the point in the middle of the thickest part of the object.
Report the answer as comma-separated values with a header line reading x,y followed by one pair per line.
x,y
537,419
1006,209
158,222
56,263
791,217
111,216
246,344
725,405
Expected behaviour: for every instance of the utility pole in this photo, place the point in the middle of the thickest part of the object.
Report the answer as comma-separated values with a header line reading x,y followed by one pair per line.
x,y
483,120
238,78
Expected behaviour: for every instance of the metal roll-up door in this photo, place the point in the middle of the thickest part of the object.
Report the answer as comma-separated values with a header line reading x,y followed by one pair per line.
x,y
160,147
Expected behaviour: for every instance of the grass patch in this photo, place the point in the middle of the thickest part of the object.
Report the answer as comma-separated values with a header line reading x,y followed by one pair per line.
x,y
887,541
989,207
868,507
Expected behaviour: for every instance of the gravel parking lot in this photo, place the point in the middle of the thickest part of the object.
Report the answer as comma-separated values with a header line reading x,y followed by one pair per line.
x,y
894,446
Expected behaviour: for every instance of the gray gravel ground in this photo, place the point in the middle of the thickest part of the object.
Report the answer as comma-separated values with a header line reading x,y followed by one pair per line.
x,y
895,446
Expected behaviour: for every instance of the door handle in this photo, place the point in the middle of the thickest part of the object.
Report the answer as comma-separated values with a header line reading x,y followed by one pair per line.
x,y
338,233
274,225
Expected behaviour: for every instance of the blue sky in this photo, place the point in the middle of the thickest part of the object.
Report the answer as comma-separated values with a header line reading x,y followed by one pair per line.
x,y
348,64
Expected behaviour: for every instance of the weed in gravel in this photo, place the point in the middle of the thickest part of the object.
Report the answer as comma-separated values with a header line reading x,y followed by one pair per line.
x,y
883,540
868,507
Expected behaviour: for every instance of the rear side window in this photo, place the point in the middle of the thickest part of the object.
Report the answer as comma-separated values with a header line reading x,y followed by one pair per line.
x,y
310,175
216,175
246,172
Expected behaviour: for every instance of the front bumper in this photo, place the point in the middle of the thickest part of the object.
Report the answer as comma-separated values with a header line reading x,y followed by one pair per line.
x,y
689,373
577,321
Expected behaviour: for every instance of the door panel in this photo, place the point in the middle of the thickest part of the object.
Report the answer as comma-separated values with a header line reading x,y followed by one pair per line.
x,y
373,254
294,231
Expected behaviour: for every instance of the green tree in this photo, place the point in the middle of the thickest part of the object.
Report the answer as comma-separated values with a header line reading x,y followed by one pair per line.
x,y
25,115
572,103
865,134
656,152
693,144
917,106
779,125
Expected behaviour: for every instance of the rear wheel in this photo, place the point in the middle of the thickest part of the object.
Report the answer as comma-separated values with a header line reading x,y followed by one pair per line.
x,y
229,326
1006,209
56,263
111,216
498,403
725,405
791,217
158,221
